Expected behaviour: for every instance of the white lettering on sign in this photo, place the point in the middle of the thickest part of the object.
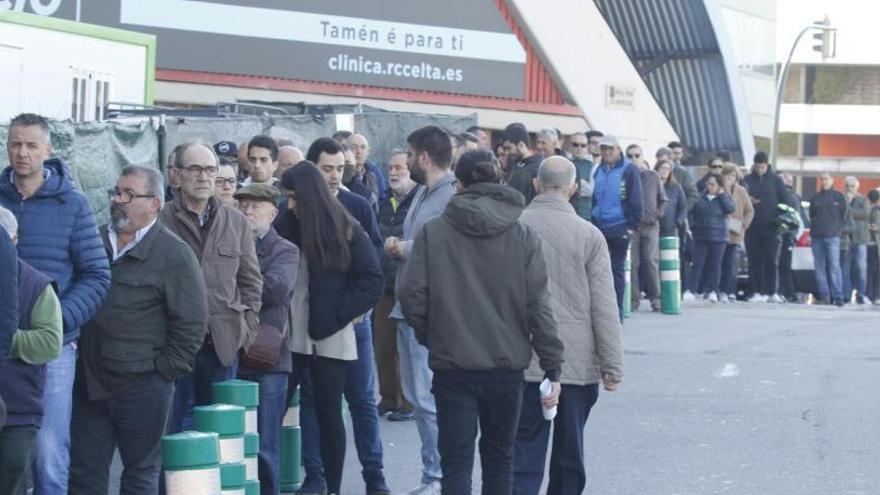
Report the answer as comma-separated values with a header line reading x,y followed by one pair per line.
x,y
208,17
39,7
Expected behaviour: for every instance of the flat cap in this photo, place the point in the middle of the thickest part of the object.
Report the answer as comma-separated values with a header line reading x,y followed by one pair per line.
x,y
259,192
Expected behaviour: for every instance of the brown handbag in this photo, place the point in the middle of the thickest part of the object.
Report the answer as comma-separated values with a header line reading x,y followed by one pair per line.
x,y
264,351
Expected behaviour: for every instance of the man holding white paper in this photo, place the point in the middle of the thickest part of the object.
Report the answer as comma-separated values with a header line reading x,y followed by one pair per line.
x,y
584,302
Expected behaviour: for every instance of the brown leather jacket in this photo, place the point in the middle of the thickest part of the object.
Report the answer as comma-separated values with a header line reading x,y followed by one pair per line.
x,y
228,259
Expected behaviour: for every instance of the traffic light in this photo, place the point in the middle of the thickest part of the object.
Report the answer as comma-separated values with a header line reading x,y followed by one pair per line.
x,y
825,39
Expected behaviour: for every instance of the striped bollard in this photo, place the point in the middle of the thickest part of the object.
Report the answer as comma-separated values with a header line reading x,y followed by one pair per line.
x,y
232,478
242,393
291,447
627,286
228,422
670,276
251,455
252,487
191,461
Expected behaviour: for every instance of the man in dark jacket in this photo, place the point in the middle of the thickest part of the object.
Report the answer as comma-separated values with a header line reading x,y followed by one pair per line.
x,y
8,296
392,213
617,207
480,306
279,261
143,338
57,236
645,249
523,162
767,191
583,164
828,213
224,245
37,342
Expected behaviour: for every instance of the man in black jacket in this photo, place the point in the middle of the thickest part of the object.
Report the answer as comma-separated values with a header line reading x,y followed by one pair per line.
x,y
828,212
279,261
522,161
767,191
8,296
392,213
143,338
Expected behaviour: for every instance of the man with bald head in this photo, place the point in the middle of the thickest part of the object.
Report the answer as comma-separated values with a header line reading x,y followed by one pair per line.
x,y
366,172
583,298
288,156
223,242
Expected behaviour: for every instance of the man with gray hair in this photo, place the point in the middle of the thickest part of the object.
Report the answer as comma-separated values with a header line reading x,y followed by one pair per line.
x,y
854,248
583,299
143,338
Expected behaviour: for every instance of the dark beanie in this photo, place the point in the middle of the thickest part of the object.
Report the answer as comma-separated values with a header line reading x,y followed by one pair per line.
x,y
517,133
760,157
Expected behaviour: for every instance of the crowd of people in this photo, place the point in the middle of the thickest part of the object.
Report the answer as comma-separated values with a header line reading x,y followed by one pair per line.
x,y
467,289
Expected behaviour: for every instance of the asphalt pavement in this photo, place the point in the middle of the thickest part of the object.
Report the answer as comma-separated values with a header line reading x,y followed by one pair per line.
x,y
744,398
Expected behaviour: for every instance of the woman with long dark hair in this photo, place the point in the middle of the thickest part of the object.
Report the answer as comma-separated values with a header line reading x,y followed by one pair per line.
x,y
339,280
674,217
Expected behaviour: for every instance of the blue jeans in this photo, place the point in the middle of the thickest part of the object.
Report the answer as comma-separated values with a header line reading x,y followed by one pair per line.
x,y
194,389
360,393
52,461
854,268
826,256
617,248
273,405
706,274
416,381
730,268
567,474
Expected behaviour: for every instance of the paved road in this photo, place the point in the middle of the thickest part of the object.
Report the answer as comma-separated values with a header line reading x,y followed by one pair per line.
x,y
743,398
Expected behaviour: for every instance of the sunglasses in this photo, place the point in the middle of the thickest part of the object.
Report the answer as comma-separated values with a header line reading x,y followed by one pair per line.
x,y
579,145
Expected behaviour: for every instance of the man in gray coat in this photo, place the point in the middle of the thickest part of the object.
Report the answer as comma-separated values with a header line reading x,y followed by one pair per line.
x,y
582,288
645,245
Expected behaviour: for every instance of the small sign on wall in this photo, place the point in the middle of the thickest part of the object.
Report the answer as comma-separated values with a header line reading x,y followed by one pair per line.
x,y
620,97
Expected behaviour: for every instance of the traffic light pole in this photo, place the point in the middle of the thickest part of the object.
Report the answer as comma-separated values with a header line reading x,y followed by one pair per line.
x,y
780,87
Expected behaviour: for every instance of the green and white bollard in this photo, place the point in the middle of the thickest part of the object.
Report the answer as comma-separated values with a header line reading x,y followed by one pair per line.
x,y
192,463
232,478
291,447
251,455
242,393
227,421
627,286
670,276
252,487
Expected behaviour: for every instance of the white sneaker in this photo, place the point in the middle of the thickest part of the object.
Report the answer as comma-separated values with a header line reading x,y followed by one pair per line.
x,y
723,298
432,488
688,296
775,298
712,297
758,298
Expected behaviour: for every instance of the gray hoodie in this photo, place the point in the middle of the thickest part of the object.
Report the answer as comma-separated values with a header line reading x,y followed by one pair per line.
x,y
475,287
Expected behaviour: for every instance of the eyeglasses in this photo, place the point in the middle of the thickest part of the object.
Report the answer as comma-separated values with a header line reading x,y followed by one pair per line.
x,y
224,181
197,171
126,196
356,147
579,145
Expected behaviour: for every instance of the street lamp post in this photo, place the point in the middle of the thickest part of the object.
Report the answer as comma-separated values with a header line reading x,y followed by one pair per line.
x,y
826,38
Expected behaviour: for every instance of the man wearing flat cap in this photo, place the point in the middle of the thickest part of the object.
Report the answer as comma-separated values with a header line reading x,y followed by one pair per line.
x,y
279,260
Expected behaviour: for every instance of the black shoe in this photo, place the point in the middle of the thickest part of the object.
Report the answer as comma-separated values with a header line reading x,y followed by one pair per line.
x,y
376,484
838,303
383,410
312,486
401,415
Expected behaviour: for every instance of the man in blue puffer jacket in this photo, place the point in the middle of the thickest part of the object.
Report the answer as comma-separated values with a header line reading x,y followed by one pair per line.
x,y
617,206
57,236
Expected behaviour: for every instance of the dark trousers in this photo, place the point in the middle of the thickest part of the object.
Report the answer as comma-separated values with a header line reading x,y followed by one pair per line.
x,y
133,420
17,447
873,289
323,391
466,400
387,360
617,248
270,414
730,268
194,389
762,247
360,393
567,474
706,274
645,264
786,275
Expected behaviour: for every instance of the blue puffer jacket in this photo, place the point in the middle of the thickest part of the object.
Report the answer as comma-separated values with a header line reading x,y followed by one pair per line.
x,y
57,236
710,218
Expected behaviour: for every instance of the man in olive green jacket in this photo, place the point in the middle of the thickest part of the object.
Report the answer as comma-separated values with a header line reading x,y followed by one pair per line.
x,y
583,299
855,263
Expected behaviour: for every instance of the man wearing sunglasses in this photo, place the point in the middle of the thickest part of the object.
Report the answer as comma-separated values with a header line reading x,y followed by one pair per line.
x,y
583,164
645,245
